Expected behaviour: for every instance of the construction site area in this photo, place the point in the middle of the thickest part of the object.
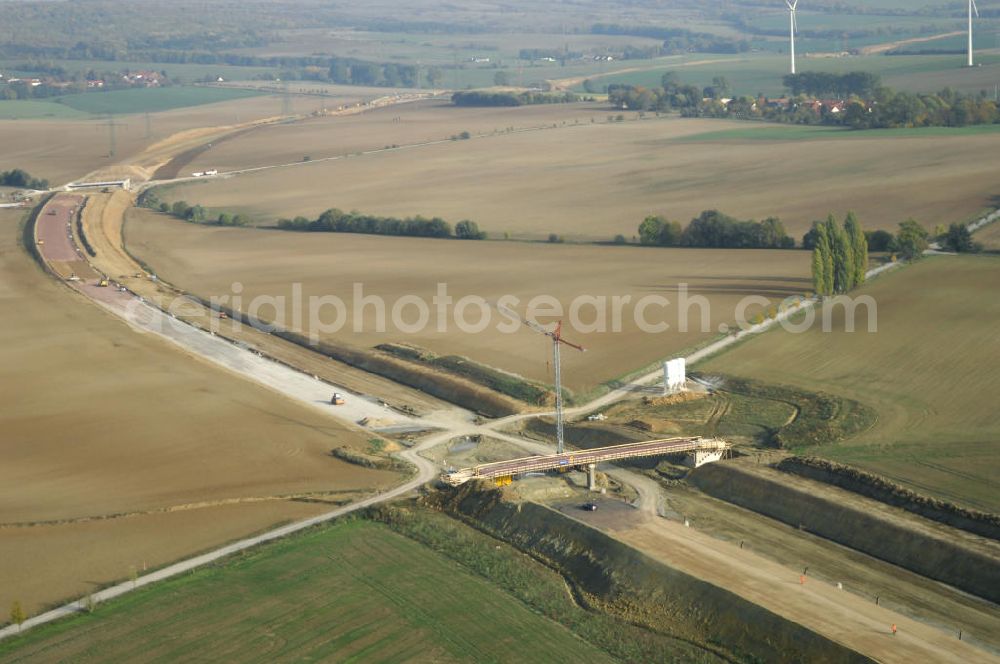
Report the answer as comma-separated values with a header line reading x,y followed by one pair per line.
x,y
186,474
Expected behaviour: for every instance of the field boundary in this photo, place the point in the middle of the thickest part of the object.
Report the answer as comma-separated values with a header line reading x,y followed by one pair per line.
x,y
504,382
927,554
886,491
77,606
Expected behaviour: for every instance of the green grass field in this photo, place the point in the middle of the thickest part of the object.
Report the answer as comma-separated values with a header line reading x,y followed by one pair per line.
x,y
178,72
29,109
119,102
151,100
931,372
354,591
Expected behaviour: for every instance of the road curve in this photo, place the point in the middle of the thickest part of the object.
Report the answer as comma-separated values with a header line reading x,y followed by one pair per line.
x,y
247,364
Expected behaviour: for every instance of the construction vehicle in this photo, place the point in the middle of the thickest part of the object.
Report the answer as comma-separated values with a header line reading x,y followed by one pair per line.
x,y
337,399
41,243
223,315
103,283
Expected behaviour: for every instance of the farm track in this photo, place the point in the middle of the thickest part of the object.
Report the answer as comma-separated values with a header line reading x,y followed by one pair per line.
x,y
208,504
104,220
719,411
562,84
882,48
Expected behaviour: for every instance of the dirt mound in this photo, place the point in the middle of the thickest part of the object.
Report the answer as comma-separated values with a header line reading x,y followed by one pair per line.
x,y
935,552
671,399
886,491
610,576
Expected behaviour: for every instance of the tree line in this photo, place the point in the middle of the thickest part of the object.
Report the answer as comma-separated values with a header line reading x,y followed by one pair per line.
x,y
715,230
820,84
347,71
194,213
72,83
676,40
671,95
22,179
910,241
486,98
840,255
870,105
885,108
337,221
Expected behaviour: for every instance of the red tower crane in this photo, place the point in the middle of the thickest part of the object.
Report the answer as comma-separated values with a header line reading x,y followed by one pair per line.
x,y
557,342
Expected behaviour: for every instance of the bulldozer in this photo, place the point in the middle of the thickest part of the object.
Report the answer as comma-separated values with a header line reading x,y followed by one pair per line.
x,y
103,283
337,399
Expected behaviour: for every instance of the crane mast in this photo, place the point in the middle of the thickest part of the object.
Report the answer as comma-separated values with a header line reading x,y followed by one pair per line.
x,y
557,342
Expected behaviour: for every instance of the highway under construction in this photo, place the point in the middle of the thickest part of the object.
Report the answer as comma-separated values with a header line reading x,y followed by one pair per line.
x,y
701,451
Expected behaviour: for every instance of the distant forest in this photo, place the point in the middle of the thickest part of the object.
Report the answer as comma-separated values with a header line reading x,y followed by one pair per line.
x,y
676,40
237,32
484,98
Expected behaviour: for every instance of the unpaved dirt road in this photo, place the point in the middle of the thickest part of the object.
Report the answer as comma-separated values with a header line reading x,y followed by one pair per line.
x,y
837,614
235,357
882,48
425,471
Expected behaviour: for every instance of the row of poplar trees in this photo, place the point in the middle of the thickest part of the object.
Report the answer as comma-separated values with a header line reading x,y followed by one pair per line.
x,y
840,257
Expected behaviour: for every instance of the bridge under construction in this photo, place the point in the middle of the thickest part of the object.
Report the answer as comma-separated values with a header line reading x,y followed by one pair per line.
x,y
701,451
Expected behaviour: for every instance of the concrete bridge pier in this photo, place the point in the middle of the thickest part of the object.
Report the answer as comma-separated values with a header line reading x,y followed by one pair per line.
x,y
592,476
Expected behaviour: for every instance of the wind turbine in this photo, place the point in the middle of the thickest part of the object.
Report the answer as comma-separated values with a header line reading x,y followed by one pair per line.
x,y
793,26
972,8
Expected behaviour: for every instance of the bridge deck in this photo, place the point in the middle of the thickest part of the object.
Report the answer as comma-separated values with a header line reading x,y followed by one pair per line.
x,y
583,457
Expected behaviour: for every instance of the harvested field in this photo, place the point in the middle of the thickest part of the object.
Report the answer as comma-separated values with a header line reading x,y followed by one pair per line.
x,y
45,564
593,181
354,590
67,148
404,124
101,421
64,150
930,372
989,237
208,261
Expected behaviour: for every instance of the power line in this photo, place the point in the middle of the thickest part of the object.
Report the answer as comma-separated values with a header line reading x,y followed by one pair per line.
x,y
286,99
113,135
